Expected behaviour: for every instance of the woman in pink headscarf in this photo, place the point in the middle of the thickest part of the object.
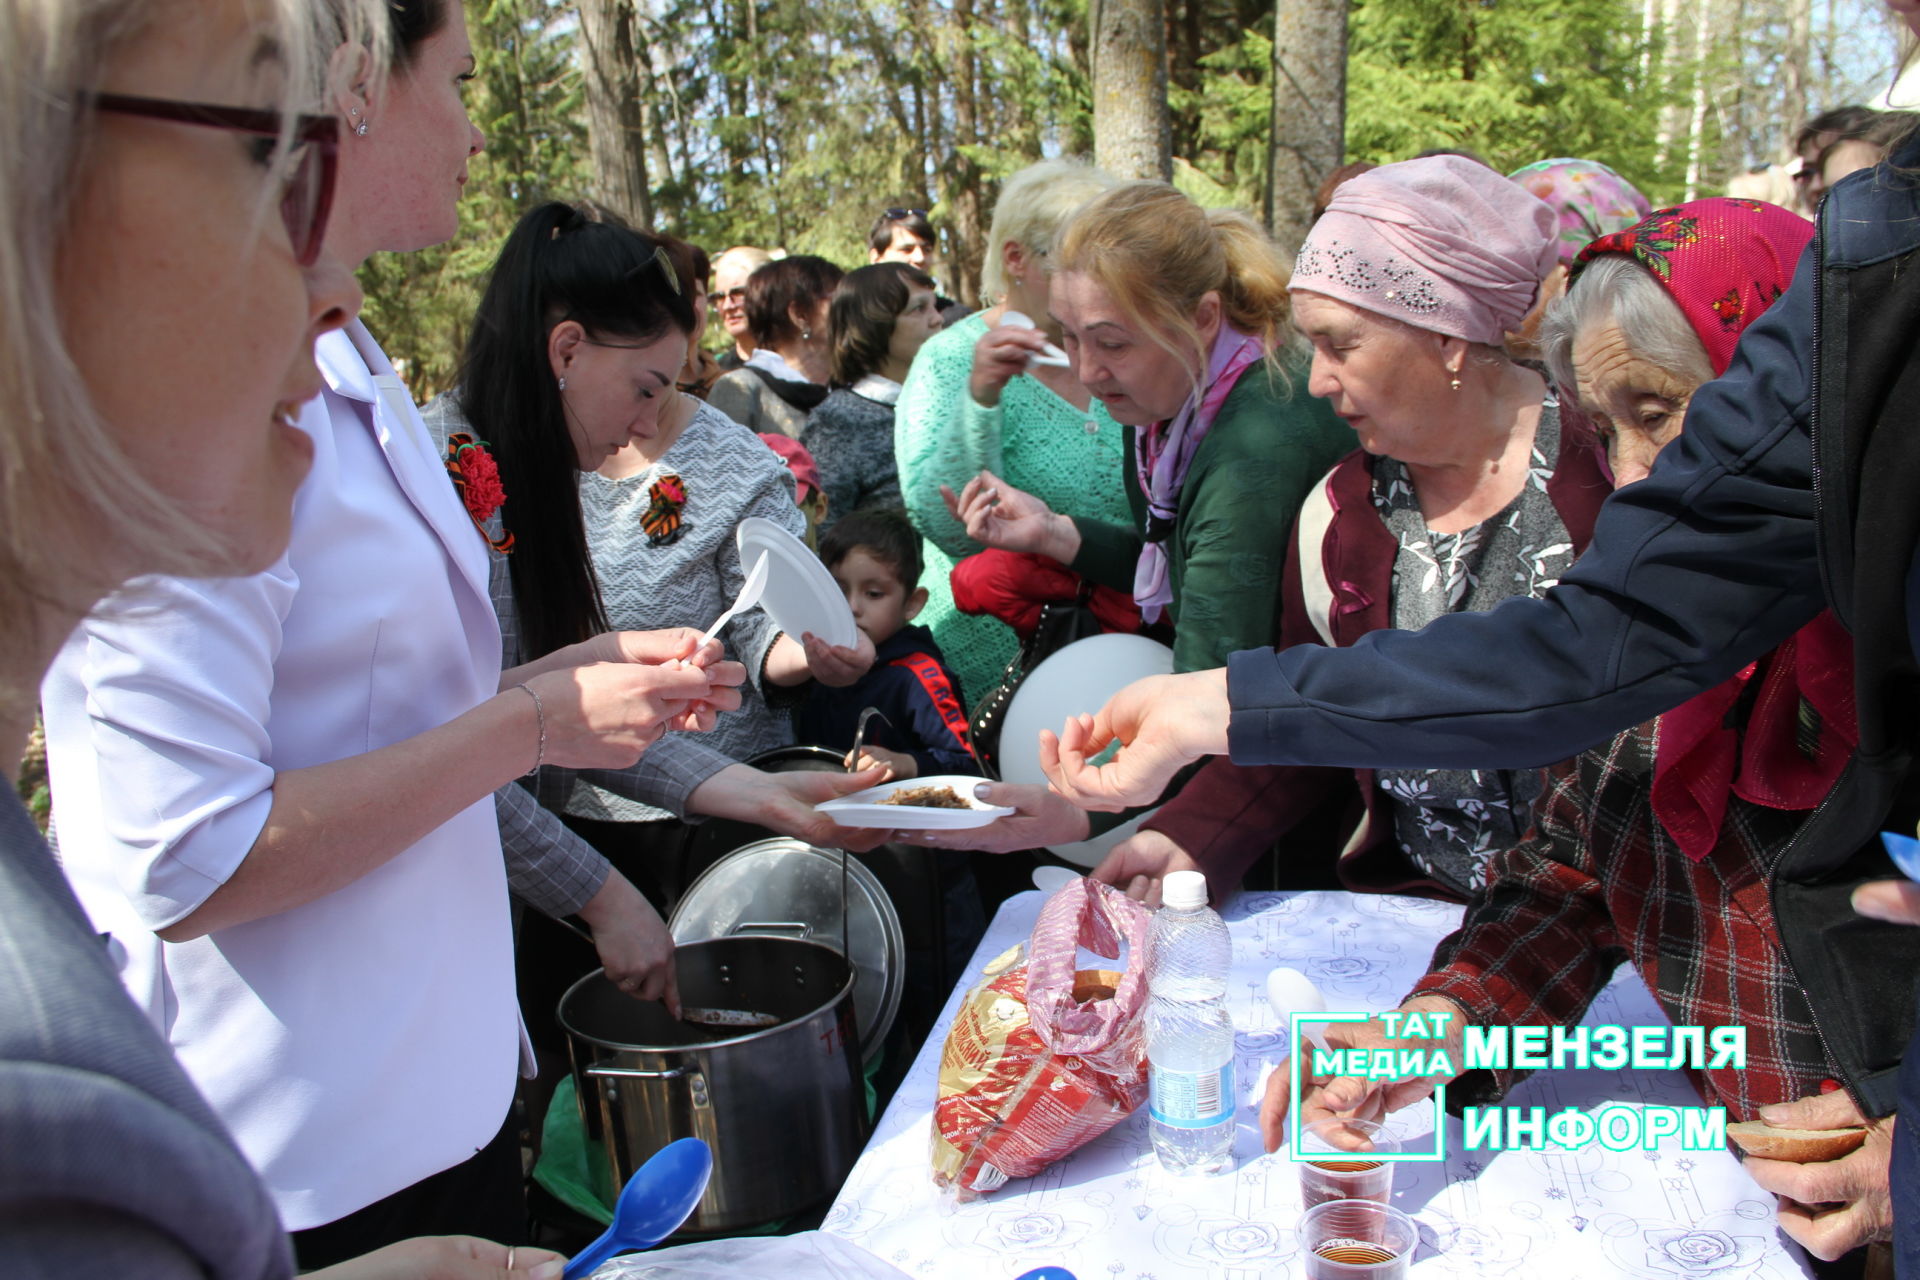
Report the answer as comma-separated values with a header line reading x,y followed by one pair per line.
x,y
1661,846
1464,492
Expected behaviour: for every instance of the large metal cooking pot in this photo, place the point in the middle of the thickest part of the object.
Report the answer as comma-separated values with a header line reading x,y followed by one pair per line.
x,y
782,1108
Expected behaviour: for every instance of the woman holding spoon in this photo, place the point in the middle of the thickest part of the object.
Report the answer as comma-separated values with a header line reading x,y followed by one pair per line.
x,y
622,497
975,399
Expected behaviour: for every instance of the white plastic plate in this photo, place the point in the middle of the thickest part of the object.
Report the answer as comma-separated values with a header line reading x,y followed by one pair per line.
x,y
864,808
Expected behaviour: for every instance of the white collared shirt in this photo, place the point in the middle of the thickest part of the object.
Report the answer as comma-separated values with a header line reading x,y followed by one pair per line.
x,y
877,389
367,1039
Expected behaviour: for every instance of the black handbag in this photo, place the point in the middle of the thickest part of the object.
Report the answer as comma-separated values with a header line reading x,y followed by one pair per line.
x,y
1059,626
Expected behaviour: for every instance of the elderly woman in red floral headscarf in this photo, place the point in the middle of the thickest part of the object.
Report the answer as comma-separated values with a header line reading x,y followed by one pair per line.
x,y
1657,848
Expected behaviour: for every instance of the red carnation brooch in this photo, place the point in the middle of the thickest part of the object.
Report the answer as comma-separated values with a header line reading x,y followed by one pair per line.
x,y
477,478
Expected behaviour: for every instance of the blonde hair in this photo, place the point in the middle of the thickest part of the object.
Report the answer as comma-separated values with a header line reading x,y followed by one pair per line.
x,y
64,479
1032,206
755,258
1157,254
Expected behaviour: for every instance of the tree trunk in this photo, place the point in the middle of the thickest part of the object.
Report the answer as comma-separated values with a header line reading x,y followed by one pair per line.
x,y
1132,133
968,229
616,134
1797,72
1697,122
1309,111
1669,47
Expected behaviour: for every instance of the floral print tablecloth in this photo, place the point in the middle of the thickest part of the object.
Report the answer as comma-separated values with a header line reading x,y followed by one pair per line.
x,y
1108,1212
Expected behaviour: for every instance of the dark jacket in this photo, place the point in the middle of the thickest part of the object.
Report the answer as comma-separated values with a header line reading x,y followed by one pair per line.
x,y
1791,487
906,696
1228,814
111,1163
851,440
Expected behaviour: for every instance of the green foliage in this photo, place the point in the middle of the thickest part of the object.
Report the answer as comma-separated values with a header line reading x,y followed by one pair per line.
x,y
1515,81
526,99
791,123
30,781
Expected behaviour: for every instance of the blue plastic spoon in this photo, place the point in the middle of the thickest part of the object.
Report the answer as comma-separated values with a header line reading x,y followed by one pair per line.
x,y
1048,1273
656,1200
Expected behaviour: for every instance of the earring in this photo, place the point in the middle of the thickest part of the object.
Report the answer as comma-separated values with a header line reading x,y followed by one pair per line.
x,y
563,384
806,335
359,130
1456,384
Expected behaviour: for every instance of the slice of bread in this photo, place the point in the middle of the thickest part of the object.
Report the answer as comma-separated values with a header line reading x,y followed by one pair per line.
x,y
1802,1146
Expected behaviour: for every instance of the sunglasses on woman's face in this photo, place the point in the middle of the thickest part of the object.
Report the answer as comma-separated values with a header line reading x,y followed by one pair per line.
x,y
308,165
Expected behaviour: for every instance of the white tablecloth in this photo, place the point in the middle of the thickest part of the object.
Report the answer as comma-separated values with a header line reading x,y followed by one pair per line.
x,y
1108,1212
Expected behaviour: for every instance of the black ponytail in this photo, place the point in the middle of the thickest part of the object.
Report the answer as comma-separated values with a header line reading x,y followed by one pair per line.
x,y
412,22
561,263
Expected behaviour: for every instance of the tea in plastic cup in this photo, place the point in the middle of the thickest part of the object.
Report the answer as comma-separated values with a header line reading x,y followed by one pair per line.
x,y
1346,1171
1357,1240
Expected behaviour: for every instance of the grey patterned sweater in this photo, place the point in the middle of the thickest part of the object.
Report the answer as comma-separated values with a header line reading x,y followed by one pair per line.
x,y
729,474
851,440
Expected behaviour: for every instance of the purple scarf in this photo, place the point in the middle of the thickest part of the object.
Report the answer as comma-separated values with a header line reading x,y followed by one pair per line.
x,y
1163,452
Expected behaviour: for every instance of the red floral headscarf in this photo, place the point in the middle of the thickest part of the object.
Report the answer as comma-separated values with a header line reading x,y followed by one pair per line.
x,y
1723,260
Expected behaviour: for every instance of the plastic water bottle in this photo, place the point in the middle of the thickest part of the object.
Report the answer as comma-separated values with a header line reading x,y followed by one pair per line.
x,y
1189,1034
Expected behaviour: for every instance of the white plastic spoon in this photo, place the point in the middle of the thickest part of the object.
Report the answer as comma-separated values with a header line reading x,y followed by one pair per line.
x,y
1049,354
750,593
1290,991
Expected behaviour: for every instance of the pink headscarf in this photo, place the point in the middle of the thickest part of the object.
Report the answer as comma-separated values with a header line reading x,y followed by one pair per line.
x,y
1444,244
1590,200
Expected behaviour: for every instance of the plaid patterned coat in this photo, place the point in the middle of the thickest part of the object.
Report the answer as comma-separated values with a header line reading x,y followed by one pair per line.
x,y
1600,882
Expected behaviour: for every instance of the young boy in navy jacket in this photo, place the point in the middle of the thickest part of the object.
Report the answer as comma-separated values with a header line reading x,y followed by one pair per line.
x,y
875,557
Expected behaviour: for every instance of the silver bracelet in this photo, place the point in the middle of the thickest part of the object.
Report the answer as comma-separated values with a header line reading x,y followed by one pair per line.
x,y
540,717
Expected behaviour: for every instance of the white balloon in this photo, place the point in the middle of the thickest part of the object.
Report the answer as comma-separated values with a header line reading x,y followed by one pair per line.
x,y
1075,681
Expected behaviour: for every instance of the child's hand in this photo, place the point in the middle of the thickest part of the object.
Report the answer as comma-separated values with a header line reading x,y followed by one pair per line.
x,y
896,764
835,666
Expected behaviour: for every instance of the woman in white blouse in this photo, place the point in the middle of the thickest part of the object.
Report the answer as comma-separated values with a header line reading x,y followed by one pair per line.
x,y
275,792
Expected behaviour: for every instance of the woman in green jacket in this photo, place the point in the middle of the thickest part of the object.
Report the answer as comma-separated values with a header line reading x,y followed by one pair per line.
x,y
1176,320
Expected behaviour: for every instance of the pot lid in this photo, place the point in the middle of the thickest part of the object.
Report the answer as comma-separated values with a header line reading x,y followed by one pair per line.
x,y
788,888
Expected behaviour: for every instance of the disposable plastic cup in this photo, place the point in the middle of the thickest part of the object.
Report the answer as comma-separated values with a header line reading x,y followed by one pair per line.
x,y
1357,1240
1347,1171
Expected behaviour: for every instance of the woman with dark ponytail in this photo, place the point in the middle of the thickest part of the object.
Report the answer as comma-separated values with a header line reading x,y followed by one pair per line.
x,y
622,497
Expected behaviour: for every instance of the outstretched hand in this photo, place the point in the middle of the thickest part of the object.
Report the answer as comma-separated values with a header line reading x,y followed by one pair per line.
x,y
837,666
1162,723
995,514
1895,901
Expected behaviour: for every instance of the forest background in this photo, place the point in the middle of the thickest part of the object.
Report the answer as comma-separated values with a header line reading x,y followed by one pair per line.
x,y
791,123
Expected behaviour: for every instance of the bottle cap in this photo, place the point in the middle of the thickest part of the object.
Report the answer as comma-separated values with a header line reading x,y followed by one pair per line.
x,y
1183,890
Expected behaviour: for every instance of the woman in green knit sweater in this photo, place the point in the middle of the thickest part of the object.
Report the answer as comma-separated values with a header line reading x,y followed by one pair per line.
x,y
961,412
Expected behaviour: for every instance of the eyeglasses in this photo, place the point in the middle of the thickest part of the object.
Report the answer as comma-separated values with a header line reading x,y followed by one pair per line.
x,y
895,215
310,163
716,298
